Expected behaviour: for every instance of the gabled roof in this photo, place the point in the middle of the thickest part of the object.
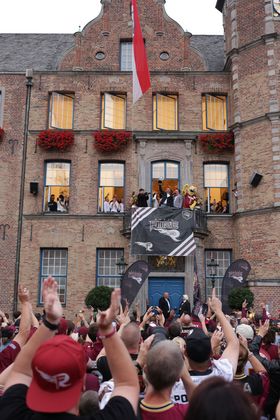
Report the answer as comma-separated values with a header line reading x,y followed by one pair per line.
x,y
44,51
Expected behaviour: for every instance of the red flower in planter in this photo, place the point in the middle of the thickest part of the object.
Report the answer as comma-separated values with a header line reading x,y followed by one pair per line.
x,y
2,132
108,141
55,139
216,142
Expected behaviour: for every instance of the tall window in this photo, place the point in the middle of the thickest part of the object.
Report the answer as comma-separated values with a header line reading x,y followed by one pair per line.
x,y
168,173
111,187
113,114
54,263
165,112
107,273
216,188
214,112
56,191
221,257
126,56
61,110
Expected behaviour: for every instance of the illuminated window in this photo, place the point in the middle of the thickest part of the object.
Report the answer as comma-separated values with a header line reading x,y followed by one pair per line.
x,y
54,263
126,56
113,111
216,182
111,187
107,271
61,110
214,112
56,191
165,112
223,258
168,173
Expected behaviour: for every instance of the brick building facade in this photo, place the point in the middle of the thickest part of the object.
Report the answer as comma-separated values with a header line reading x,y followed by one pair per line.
x,y
83,83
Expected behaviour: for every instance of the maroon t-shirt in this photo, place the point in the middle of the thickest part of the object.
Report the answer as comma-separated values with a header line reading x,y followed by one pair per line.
x,y
163,412
8,355
93,349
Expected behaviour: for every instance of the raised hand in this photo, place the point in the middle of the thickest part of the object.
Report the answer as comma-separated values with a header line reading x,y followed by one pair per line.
x,y
263,329
216,304
51,300
244,304
105,318
23,294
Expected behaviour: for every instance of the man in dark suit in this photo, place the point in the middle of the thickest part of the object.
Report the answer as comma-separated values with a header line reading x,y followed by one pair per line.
x,y
166,199
164,305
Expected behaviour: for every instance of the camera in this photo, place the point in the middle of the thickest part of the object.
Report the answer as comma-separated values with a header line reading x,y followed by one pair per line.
x,y
154,310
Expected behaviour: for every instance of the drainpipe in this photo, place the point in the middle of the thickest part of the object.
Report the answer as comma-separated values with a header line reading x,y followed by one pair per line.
x,y
29,76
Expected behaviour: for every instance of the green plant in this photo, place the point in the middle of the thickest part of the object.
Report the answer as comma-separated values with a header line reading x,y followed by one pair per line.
x,y
237,296
99,297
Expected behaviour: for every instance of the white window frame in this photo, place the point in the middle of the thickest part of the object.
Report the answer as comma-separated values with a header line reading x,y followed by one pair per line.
x,y
60,94
106,97
175,99
113,279
219,256
209,188
126,55
55,273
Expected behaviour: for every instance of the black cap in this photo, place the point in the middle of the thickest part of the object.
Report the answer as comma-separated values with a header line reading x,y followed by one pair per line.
x,y
198,346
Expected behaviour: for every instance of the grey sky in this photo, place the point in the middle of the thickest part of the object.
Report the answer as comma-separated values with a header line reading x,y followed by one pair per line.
x,y
65,16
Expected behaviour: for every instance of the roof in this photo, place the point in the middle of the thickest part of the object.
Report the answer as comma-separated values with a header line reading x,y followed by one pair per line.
x,y
42,52
211,47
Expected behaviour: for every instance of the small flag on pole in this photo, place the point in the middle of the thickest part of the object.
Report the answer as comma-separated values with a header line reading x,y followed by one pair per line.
x,y
141,75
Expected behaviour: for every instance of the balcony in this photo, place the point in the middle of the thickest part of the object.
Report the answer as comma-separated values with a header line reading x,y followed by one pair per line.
x,y
199,220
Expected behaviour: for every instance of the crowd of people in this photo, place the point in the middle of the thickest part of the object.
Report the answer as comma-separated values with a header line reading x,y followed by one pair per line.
x,y
120,363
114,205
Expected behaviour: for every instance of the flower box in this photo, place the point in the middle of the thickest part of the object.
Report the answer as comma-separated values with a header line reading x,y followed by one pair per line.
x,y
108,141
55,139
2,132
217,142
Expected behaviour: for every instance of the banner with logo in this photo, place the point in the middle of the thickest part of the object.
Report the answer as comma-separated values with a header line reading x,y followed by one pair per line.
x,y
133,279
234,278
162,231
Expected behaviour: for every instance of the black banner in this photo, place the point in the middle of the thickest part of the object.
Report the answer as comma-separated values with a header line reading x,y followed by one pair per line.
x,y
163,231
133,279
234,278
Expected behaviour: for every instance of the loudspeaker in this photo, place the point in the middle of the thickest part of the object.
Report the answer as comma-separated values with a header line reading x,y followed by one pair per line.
x,y
34,188
255,179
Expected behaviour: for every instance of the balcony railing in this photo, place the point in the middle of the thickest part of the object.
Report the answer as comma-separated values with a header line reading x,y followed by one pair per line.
x,y
199,220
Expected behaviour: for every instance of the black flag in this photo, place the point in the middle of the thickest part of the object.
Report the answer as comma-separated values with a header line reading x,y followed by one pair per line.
x,y
133,279
234,278
163,231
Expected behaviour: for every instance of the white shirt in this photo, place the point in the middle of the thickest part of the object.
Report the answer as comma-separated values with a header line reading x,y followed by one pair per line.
x,y
106,207
221,367
114,207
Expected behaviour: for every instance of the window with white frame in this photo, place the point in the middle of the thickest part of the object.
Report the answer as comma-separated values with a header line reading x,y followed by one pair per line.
x,y
165,112
56,189
54,263
216,188
111,187
223,259
126,56
214,112
166,171
61,110
113,115
107,272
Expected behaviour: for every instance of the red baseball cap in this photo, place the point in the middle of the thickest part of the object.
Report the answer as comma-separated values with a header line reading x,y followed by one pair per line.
x,y
59,367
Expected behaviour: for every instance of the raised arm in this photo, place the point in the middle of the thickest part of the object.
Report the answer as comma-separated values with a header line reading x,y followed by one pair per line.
x,y
121,366
21,372
231,352
26,317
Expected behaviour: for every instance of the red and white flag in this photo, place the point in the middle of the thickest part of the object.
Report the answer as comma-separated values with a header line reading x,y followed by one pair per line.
x,y
141,75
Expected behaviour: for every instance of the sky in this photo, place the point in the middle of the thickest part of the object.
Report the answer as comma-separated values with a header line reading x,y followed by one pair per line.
x,y
65,16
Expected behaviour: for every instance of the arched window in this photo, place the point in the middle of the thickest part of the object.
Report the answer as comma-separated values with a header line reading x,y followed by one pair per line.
x,y
166,171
